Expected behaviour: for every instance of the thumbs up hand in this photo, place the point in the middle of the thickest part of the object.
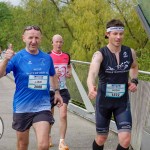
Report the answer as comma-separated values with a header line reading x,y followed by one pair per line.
x,y
9,53
92,92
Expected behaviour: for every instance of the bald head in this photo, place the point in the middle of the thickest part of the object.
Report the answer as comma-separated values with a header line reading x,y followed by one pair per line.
x,y
57,37
57,42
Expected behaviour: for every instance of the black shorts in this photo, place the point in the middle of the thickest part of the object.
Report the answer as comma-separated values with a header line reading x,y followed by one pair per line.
x,y
64,94
121,114
23,121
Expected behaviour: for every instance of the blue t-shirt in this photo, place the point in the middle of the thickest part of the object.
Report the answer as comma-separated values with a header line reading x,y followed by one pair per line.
x,y
31,73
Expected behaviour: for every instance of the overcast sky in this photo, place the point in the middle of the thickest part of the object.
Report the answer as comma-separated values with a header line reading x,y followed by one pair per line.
x,y
14,2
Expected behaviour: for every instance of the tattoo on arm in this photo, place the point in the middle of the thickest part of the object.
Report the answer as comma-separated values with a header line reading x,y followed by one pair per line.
x,y
95,54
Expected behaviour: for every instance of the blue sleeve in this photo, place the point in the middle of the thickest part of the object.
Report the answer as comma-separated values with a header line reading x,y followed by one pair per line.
x,y
52,69
10,65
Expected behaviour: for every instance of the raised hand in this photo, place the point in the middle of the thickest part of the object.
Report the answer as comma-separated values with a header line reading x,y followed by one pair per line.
x,y
9,52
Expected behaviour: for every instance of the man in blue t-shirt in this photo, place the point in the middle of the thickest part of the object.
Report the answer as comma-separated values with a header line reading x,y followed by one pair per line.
x,y
31,104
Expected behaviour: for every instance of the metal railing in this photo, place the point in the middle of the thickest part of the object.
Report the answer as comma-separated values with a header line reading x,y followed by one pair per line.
x,y
142,10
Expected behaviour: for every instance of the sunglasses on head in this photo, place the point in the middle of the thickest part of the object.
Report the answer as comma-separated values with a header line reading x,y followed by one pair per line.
x,y
32,27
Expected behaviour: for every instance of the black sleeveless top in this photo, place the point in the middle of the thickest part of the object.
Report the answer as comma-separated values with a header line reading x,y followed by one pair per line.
x,y
113,73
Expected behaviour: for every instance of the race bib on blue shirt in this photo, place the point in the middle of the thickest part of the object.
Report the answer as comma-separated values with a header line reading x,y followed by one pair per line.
x,y
38,82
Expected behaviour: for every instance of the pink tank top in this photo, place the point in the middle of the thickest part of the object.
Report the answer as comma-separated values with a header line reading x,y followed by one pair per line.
x,y
61,62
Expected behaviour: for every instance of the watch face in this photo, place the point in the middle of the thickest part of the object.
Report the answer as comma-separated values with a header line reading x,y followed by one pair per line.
x,y
1,127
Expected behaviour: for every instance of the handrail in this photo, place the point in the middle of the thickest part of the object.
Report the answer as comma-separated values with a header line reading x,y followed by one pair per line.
x,y
82,62
144,72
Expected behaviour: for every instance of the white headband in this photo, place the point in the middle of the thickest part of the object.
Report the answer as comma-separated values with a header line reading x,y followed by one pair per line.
x,y
114,28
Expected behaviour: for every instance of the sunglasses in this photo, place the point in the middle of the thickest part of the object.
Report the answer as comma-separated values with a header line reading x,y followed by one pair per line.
x,y
32,27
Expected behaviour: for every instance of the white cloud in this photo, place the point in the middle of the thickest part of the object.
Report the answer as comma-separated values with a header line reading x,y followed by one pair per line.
x,y
13,2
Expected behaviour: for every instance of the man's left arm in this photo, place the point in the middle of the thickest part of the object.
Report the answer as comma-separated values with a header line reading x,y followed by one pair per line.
x,y
58,99
69,71
133,73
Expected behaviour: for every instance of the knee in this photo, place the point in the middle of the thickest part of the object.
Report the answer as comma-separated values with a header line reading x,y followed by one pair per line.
x,y
63,115
125,143
22,145
125,140
100,139
43,146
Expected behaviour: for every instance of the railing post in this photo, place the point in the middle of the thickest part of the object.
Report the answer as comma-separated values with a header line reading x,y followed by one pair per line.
x,y
83,93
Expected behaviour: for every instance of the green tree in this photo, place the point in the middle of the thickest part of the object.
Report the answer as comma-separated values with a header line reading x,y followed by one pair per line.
x,y
81,23
133,27
5,18
87,22
45,14
135,35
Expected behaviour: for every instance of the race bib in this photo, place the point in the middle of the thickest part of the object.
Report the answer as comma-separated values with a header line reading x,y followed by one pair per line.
x,y
61,85
38,82
115,90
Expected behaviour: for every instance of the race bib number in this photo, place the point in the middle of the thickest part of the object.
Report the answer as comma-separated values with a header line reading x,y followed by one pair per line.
x,y
61,85
38,82
115,90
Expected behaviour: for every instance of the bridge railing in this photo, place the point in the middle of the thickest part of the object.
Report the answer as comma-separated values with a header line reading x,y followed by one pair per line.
x,y
140,102
142,9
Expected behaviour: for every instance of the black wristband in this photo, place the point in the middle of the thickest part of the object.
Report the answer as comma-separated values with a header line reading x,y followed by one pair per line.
x,y
57,90
135,80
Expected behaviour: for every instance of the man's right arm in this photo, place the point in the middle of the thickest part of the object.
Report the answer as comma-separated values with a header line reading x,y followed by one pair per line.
x,y
3,65
8,55
93,73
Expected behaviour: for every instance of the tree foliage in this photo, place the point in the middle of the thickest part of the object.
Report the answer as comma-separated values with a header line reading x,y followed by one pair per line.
x,y
5,28
81,23
87,21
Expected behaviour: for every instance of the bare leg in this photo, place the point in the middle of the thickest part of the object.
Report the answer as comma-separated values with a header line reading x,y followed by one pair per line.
x,y
50,138
124,139
22,140
63,126
63,120
42,130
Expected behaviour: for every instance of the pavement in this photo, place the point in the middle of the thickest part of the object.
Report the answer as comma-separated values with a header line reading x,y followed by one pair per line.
x,y
80,132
